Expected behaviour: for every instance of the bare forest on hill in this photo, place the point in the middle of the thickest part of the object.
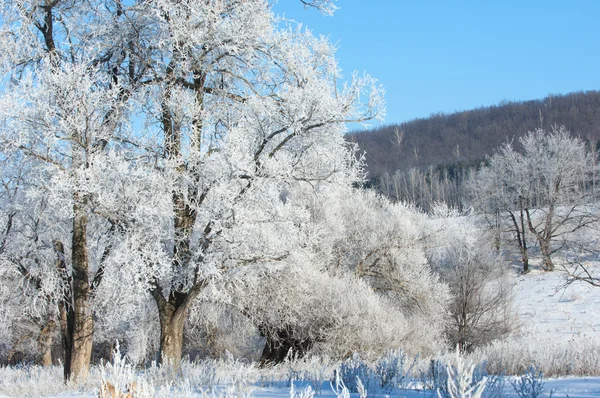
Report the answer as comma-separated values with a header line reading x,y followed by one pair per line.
x,y
466,137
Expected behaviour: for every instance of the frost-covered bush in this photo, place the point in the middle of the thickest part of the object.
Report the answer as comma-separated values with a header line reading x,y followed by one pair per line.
x,y
434,376
305,393
530,384
311,369
355,370
134,326
393,370
382,243
359,283
119,375
308,310
216,329
580,356
460,380
32,381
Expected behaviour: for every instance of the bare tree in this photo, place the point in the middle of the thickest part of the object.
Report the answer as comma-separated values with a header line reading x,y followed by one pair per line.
x,y
481,307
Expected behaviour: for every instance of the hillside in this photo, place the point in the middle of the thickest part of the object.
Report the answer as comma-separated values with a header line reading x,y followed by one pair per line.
x,y
470,135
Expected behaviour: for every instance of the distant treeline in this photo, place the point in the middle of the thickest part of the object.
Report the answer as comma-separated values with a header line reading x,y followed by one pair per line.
x,y
467,137
424,187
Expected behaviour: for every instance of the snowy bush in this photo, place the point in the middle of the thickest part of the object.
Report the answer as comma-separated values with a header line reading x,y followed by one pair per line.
x,y
119,373
34,381
355,370
530,384
460,382
580,356
383,244
311,369
435,376
311,311
392,370
305,393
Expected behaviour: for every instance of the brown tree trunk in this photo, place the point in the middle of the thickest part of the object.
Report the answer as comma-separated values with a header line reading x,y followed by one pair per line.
x,y
83,323
45,342
171,335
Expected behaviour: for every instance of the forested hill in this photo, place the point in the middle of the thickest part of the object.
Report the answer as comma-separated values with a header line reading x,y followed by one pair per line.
x,y
470,135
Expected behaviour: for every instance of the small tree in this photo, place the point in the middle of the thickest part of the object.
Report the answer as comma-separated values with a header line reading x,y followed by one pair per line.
x,y
500,193
481,308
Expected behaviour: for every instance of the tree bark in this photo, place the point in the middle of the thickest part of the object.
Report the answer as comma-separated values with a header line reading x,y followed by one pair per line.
x,y
545,250
45,342
172,322
521,238
83,323
65,308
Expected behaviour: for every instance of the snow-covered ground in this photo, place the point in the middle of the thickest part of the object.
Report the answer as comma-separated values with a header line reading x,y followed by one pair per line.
x,y
562,387
546,308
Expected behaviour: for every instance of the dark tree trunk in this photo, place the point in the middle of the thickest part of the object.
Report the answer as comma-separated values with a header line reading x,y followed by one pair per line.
x,y
521,238
524,251
67,316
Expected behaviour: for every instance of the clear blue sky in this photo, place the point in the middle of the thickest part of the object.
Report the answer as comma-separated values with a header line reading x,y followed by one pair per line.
x,y
449,55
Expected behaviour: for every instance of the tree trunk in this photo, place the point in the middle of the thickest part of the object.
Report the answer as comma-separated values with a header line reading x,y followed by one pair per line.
x,y
45,342
83,323
171,335
545,250
524,252
525,260
544,237
521,238
65,308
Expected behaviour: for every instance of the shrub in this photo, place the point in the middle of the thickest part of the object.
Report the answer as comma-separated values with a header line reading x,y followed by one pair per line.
x,y
530,384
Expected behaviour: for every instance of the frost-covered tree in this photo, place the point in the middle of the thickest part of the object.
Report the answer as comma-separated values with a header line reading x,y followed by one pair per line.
x,y
545,187
52,115
168,135
29,313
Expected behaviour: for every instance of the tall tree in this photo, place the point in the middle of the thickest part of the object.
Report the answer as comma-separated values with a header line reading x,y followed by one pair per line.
x,y
208,106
